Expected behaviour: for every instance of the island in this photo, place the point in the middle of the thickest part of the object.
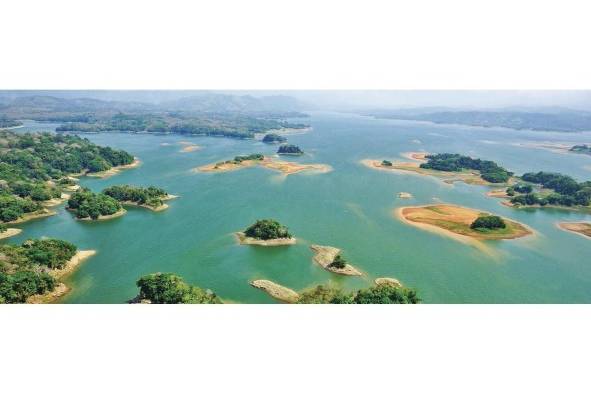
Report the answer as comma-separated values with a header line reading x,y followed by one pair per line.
x,y
276,291
266,232
404,195
87,205
249,161
584,148
383,293
447,166
6,232
462,223
150,197
581,228
272,138
388,281
31,272
168,288
331,259
293,150
554,190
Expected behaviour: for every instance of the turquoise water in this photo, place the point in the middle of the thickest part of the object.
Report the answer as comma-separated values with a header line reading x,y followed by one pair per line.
x,y
350,208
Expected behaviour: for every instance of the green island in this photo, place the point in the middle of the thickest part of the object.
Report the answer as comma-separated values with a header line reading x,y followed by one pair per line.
x,y
557,190
32,269
150,197
35,170
88,205
273,138
290,150
331,259
378,294
167,288
266,232
453,162
584,148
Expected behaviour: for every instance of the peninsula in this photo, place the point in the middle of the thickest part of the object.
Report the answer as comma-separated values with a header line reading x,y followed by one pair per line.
x,y
581,228
330,259
150,197
462,223
87,205
241,162
266,232
276,291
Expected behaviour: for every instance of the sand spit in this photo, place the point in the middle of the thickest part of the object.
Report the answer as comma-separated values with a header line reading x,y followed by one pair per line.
x,y
117,214
61,289
11,232
324,256
33,216
276,291
498,193
454,221
285,167
581,228
244,240
388,281
159,208
188,147
418,156
115,170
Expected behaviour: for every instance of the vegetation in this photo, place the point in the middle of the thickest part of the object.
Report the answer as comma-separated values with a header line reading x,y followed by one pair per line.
x,y
240,159
166,288
566,191
522,188
488,222
273,138
267,229
290,150
151,195
489,170
581,149
13,207
6,123
24,269
87,204
338,262
378,294
386,163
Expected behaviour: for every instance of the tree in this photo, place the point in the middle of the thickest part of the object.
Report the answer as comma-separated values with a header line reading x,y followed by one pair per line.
x,y
386,163
290,150
489,222
167,288
267,229
338,262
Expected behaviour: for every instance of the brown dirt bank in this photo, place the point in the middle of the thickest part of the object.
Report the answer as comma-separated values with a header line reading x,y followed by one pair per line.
x,y
581,228
324,256
276,291
244,240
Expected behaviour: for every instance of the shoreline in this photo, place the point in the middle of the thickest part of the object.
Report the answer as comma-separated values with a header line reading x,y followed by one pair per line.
x,y
10,232
582,229
324,256
244,240
281,293
33,216
114,170
117,214
388,282
284,167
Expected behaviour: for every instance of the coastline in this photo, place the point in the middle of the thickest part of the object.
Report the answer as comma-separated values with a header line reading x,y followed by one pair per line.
x,y
33,216
117,214
324,256
285,167
276,291
115,170
244,240
582,229
10,232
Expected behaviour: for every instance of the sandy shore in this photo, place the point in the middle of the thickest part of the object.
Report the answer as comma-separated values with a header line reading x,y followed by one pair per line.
x,y
188,147
33,216
276,291
324,256
61,289
11,232
581,228
285,167
498,193
454,221
388,281
418,156
56,201
115,170
159,208
117,214
244,240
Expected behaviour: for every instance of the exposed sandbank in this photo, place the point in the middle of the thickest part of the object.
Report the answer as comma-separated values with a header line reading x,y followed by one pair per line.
x,y
580,228
404,195
285,167
188,147
388,281
115,170
56,201
33,216
454,221
276,291
324,256
10,232
244,240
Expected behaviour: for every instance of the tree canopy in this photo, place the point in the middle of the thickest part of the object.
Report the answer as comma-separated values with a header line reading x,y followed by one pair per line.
x,y
290,150
267,229
87,204
150,195
489,170
488,222
377,294
167,288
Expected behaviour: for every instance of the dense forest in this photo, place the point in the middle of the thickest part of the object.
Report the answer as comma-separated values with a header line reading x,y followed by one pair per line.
x,y
378,294
488,222
489,170
267,229
290,150
24,269
166,288
565,190
34,168
151,195
87,204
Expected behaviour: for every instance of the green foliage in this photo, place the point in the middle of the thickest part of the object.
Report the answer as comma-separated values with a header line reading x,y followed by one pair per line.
x,y
16,288
338,262
151,195
581,149
272,138
489,170
290,150
13,207
267,229
3,227
378,294
386,163
51,253
167,288
567,191
86,204
488,222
